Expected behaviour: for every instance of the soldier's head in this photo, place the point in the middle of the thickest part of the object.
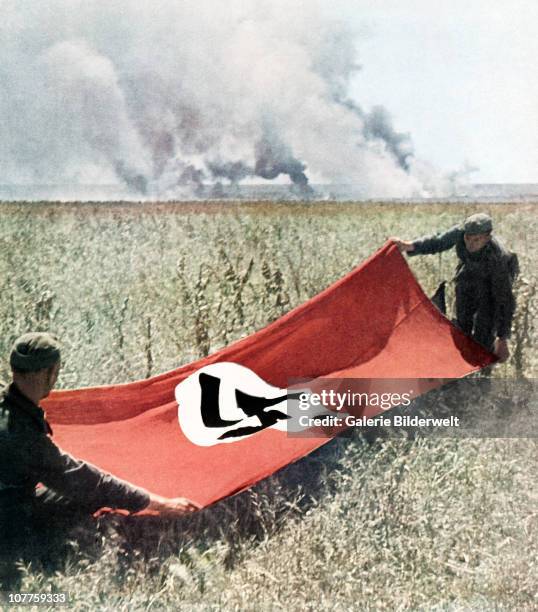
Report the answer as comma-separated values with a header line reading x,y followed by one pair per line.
x,y
35,361
477,231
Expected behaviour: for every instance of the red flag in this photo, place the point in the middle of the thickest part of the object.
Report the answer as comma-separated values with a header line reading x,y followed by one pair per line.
x,y
375,323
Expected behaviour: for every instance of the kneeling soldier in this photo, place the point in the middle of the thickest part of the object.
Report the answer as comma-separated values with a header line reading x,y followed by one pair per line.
x,y
28,456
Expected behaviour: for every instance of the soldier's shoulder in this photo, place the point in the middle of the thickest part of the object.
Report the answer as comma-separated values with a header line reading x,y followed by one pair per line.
x,y
455,233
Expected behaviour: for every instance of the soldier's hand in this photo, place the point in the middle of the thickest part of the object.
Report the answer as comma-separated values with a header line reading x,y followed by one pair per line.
x,y
177,506
184,505
500,348
405,246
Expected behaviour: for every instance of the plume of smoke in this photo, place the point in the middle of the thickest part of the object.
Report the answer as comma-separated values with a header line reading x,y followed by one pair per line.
x,y
234,171
378,124
173,98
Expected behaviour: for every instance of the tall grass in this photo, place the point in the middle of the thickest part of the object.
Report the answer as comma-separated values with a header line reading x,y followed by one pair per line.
x,y
134,290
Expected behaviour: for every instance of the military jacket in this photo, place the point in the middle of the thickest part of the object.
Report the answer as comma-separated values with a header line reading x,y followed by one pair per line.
x,y
485,273
28,456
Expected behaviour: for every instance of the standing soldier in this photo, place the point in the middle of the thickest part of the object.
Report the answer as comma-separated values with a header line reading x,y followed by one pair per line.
x,y
28,456
484,299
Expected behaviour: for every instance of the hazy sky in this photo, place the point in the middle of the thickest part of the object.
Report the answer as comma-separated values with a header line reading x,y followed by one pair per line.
x,y
460,76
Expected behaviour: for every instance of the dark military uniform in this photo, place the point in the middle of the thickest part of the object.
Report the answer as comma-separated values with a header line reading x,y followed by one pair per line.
x,y
28,456
484,299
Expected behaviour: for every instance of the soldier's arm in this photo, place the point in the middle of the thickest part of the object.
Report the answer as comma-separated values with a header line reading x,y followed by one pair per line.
x,y
86,484
82,482
428,245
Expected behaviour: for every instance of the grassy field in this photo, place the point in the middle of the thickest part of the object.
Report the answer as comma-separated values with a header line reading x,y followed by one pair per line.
x,y
134,290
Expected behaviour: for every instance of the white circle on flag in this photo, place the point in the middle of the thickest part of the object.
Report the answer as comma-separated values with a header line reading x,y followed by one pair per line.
x,y
210,399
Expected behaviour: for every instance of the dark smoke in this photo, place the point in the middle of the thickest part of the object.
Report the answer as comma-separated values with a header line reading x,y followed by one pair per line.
x,y
234,171
274,157
378,124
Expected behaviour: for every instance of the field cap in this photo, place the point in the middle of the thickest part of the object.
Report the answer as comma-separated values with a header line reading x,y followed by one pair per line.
x,y
480,223
34,351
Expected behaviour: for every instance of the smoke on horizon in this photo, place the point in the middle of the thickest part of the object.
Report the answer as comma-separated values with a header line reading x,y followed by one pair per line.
x,y
174,99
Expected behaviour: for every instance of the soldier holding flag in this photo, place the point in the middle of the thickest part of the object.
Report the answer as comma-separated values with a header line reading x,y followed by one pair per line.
x,y
28,456
485,301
